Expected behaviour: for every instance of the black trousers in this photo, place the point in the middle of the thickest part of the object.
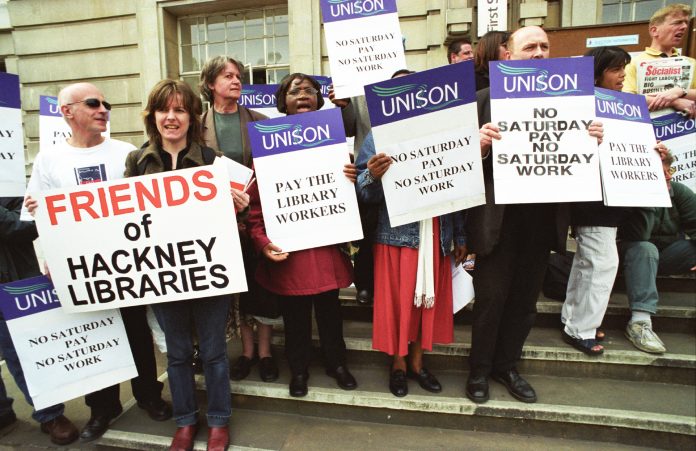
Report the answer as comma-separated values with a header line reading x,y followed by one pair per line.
x,y
507,283
145,386
297,319
364,262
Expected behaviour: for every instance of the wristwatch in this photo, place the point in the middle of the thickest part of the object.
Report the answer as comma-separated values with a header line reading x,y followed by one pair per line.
x,y
684,93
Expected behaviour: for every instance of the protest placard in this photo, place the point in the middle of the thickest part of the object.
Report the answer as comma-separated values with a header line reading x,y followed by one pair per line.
x,y
63,355
53,129
364,43
427,124
678,133
543,108
12,176
657,75
260,98
307,201
631,169
324,83
156,238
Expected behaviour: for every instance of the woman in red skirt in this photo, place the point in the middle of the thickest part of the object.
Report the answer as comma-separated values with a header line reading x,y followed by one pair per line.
x,y
413,279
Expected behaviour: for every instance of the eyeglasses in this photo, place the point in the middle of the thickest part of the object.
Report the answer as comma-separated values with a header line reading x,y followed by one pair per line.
x,y
672,170
296,92
93,103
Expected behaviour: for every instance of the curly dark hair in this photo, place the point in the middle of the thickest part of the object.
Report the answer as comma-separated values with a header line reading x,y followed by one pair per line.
x,y
284,87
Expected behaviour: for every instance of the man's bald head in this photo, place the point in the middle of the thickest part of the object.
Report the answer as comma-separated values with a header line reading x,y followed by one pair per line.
x,y
76,92
528,43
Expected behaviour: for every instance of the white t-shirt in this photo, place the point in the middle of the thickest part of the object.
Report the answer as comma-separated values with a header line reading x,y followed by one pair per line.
x,y
70,166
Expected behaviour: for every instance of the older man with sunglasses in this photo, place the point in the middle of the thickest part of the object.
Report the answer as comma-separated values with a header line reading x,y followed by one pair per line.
x,y
88,157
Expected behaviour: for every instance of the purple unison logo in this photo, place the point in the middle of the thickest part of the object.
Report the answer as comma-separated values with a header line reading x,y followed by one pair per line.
x,y
333,10
26,297
673,126
258,96
542,77
617,105
296,132
9,90
324,83
48,106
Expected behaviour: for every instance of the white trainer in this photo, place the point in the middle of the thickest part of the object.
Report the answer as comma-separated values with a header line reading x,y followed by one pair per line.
x,y
642,336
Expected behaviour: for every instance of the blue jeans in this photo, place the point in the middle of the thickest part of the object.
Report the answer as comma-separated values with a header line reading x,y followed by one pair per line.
x,y
209,317
8,352
643,262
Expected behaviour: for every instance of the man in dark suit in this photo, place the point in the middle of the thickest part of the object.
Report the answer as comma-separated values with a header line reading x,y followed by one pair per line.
x,y
512,245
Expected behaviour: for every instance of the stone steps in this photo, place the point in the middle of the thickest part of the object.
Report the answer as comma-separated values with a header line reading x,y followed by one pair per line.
x,y
676,311
546,353
264,430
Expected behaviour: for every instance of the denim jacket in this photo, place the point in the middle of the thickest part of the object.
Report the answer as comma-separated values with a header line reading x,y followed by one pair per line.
x,y
370,191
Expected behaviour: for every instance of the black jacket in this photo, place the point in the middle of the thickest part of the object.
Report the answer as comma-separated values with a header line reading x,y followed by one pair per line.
x,y
17,256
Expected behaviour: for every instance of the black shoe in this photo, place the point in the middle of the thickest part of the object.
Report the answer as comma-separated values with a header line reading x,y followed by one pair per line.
x,y
197,362
298,385
268,371
398,384
158,409
7,419
518,387
426,380
241,367
345,380
98,424
477,389
363,297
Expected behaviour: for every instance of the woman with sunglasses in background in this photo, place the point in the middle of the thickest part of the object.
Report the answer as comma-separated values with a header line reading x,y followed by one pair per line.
x,y
308,278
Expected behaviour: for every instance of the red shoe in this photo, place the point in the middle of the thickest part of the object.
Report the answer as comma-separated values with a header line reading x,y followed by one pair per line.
x,y
218,438
183,439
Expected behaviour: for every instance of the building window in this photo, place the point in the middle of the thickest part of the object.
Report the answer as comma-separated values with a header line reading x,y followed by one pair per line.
x,y
258,38
616,11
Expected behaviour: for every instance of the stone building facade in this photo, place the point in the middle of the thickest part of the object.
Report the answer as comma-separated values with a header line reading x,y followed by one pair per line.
x,y
126,46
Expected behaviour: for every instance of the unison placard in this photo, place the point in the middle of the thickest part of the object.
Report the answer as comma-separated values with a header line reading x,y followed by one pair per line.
x,y
307,201
12,177
631,169
364,43
679,135
543,108
427,123
63,355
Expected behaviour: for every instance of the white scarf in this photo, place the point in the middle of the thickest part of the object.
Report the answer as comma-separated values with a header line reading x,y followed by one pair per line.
x,y
425,281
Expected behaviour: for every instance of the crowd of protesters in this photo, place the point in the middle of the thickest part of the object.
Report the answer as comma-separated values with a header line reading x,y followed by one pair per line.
x,y
404,272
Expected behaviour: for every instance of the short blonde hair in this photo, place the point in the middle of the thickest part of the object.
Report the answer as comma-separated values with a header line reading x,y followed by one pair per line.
x,y
661,14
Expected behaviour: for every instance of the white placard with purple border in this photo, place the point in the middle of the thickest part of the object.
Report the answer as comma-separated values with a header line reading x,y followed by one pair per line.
x,y
12,176
153,252
307,201
53,129
427,123
492,16
260,98
63,355
543,108
364,43
631,169
679,135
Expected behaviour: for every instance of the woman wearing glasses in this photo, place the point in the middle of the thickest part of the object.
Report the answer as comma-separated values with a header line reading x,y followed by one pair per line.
x,y
305,279
491,47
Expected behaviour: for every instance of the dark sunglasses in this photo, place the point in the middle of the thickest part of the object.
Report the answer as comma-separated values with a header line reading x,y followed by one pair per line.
x,y
93,103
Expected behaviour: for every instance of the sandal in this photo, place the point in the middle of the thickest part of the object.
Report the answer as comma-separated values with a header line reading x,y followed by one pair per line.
x,y
588,346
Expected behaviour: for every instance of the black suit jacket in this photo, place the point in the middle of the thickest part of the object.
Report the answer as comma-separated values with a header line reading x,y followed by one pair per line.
x,y
483,223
